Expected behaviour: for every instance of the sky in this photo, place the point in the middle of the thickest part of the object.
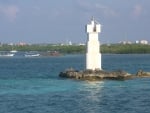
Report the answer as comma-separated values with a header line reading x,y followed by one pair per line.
x,y
61,21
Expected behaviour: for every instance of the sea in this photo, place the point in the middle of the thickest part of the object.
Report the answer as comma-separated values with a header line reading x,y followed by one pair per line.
x,y
32,85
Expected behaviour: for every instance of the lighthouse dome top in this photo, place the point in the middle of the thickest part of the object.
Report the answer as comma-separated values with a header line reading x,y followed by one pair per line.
x,y
93,27
94,21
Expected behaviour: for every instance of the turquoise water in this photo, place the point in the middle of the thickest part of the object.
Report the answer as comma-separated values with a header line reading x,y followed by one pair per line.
x,y
32,85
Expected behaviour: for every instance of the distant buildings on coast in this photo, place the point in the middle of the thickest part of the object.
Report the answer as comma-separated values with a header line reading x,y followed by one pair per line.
x,y
16,44
144,42
69,43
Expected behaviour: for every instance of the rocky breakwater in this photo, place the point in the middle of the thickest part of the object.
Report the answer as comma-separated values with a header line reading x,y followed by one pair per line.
x,y
142,74
95,75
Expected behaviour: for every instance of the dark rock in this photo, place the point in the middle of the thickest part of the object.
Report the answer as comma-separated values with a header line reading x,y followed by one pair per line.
x,y
94,75
141,73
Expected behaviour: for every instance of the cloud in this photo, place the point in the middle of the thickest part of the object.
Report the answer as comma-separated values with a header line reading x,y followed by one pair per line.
x,y
9,11
106,11
137,10
97,8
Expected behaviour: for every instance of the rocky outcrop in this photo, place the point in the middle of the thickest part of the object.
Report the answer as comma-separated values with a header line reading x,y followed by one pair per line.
x,y
94,75
141,73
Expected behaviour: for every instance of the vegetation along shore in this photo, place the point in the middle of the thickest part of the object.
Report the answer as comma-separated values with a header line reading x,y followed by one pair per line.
x,y
79,49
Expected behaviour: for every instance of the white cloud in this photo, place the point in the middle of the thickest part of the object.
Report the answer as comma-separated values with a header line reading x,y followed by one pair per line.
x,y
97,8
106,11
9,11
137,10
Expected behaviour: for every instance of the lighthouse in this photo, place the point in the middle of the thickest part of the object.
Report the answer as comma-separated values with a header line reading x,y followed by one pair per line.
x,y
93,55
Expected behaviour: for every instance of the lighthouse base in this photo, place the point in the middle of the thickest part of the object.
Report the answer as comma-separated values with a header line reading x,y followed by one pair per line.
x,y
98,75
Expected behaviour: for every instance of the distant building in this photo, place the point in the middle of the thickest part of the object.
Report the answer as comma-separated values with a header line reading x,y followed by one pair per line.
x,y
125,42
143,42
11,44
137,42
21,44
70,43
82,44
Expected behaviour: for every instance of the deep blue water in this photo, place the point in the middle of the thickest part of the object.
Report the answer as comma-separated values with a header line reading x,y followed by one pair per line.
x,y
32,85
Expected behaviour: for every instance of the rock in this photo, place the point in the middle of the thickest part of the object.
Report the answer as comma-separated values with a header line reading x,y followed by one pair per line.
x,y
94,75
141,73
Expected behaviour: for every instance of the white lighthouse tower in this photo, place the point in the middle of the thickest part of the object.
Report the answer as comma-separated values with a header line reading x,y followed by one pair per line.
x,y
93,55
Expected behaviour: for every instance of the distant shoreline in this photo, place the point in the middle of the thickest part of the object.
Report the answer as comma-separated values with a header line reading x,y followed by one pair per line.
x,y
80,49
